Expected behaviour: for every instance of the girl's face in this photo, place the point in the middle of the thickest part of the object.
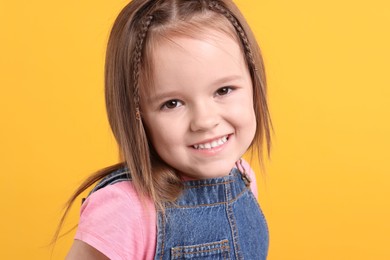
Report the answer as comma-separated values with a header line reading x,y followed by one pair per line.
x,y
200,116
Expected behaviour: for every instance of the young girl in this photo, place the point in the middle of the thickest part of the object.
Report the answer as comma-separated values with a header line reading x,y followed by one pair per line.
x,y
186,98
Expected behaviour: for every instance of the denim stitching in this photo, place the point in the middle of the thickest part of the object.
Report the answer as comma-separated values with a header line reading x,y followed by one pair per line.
x,y
239,195
229,212
208,184
261,212
232,221
206,244
224,245
225,254
176,254
212,204
163,233
196,206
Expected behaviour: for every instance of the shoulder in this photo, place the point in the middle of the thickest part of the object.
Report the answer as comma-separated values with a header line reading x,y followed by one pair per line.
x,y
115,187
116,221
119,175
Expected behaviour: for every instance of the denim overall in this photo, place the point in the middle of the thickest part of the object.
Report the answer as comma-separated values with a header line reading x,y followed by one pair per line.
x,y
213,219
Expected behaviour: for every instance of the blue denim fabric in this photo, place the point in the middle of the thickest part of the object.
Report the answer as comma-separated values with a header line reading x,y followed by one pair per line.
x,y
213,219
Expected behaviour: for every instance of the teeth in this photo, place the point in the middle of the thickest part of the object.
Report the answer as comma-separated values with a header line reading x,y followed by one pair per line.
x,y
213,144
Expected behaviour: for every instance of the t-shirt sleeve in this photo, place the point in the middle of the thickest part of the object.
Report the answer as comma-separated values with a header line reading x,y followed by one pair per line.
x,y
114,221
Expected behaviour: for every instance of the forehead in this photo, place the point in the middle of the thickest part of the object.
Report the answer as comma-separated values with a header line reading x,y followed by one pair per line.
x,y
197,59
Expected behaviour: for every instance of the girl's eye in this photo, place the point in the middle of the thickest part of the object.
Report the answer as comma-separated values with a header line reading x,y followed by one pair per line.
x,y
170,104
224,91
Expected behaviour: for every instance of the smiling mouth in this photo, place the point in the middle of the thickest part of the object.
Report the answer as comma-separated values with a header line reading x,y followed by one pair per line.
x,y
215,143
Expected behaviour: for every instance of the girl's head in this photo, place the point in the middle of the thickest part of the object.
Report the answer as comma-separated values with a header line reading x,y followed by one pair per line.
x,y
185,91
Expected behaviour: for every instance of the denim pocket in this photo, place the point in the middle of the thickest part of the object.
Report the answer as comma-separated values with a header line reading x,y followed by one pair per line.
x,y
215,250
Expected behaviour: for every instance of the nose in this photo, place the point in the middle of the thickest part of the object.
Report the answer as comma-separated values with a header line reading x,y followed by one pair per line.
x,y
204,117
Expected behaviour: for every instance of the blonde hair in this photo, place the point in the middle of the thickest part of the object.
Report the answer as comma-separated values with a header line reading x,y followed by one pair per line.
x,y
129,69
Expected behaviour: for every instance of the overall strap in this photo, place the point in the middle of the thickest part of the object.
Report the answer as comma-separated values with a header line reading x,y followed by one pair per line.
x,y
116,176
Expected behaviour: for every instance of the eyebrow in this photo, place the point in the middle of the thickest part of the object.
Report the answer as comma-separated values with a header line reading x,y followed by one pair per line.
x,y
220,81
225,80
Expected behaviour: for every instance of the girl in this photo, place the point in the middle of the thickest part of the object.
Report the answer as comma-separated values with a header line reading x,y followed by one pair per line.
x,y
186,98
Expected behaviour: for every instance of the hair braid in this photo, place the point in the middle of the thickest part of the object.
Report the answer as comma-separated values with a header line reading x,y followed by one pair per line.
x,y
137,60
215,6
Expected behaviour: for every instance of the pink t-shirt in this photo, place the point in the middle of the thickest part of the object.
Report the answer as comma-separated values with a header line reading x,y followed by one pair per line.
x,y
114,221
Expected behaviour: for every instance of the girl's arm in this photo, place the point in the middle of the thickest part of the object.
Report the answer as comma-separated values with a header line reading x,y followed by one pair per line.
x,y
81,250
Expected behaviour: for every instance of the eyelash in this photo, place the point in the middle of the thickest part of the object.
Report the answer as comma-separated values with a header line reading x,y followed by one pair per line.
x,y
177,103
228,89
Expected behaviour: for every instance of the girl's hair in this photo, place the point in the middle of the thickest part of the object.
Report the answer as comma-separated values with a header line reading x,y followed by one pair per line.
x,y
129,71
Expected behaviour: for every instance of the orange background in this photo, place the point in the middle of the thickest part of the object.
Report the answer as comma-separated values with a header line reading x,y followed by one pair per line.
x,y
326,193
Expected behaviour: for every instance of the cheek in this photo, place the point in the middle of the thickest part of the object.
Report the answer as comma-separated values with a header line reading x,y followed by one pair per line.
x,y
160,134
246,119
242,109
251,122
153,135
